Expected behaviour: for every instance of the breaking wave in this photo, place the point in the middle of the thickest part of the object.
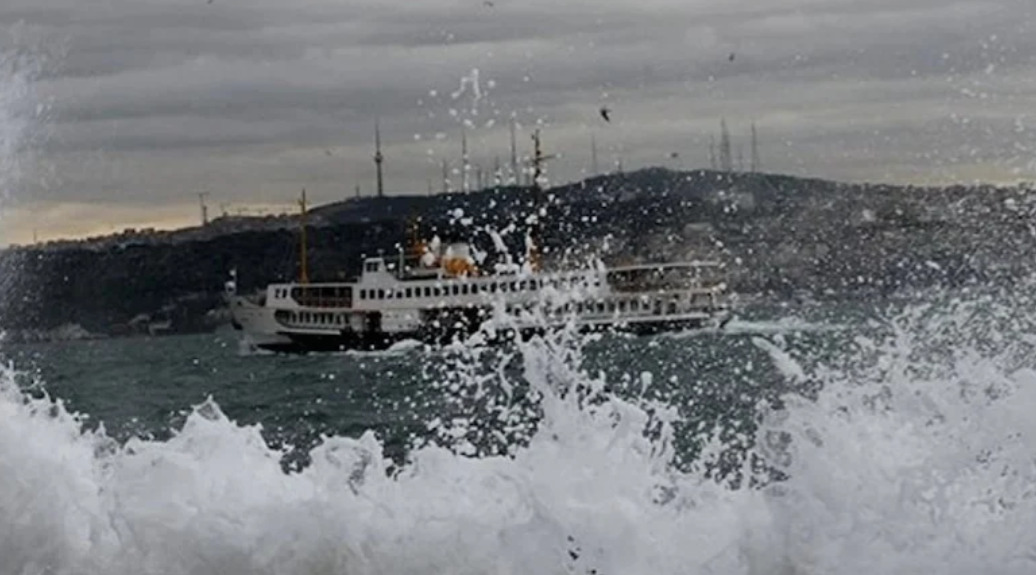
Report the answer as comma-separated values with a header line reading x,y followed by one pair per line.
x,y
909,451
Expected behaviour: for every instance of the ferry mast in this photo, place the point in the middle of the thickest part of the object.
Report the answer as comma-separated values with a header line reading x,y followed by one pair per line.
x,y
538,158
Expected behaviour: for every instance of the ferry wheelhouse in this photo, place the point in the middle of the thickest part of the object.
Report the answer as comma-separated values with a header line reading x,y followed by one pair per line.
x,y
443,294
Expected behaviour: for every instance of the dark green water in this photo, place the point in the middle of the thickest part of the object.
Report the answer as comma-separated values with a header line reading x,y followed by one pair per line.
x,y
147,386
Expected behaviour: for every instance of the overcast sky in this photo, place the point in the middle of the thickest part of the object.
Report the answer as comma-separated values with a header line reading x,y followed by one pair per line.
x,y
116,113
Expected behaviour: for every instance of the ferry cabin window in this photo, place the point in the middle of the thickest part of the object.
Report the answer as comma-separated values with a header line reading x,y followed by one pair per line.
x,y
372,266
492,288
409,292
381,294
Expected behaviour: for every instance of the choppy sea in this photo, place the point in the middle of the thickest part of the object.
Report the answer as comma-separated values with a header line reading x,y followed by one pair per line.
x,y
835,438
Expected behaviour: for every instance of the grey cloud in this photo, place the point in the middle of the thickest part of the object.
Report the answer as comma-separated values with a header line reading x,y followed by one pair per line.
x,y
246,96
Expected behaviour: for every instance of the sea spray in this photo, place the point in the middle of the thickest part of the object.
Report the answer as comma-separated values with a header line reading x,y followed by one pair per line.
x,y
912,459
919,456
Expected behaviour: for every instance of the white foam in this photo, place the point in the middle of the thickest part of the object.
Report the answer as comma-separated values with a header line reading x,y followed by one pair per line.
x,y
888,472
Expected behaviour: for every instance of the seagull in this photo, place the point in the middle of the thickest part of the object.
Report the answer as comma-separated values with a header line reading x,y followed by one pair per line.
x,y
732,56
328,152
488,3
604,114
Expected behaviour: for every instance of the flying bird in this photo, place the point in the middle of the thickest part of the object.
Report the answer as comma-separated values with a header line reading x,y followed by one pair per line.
x,y
488,3
732,56
328,152
605,113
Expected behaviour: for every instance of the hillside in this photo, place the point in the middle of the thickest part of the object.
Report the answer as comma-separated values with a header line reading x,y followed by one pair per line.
x,y
779,236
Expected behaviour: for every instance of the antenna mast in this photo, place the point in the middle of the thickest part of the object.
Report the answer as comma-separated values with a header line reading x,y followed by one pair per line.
x,y
465,185
445,177
514,156
725,160
593,156
378,158
304,267
755,150
204,208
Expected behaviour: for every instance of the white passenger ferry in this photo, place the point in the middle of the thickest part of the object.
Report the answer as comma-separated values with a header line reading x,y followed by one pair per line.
x,y
438,294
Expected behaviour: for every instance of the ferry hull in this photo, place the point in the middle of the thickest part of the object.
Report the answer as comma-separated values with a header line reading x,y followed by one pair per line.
x,y
265,333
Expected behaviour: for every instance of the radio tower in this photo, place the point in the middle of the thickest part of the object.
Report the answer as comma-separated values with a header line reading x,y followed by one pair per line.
x,y
378,158
204,208
755,151
464,184
593,156
725,161
514,156
445,177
